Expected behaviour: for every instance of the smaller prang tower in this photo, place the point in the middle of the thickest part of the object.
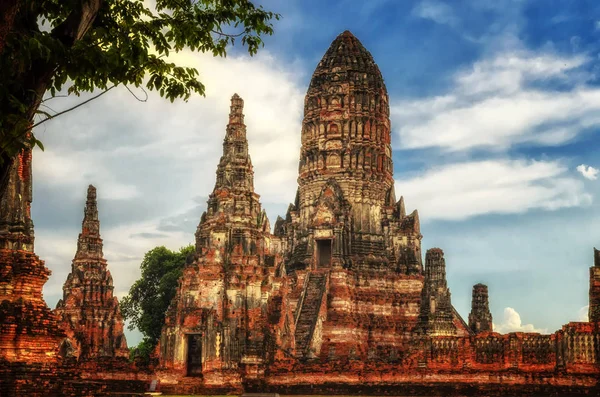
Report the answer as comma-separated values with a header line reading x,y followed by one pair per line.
x,y
29,329
480,318
436,318
594,309
89,312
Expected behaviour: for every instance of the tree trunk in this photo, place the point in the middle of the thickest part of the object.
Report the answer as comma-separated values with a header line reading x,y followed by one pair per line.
x,y
8,13
16,17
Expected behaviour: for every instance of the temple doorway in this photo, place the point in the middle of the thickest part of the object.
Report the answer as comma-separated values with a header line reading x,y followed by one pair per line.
x,y
194,355
323,253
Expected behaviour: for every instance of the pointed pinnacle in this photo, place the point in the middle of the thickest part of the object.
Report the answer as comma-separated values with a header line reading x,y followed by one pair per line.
x,y
91,193
90,213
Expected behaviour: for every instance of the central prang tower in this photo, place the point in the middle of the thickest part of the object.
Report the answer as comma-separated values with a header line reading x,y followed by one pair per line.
x,y
345,213
346,134
352,253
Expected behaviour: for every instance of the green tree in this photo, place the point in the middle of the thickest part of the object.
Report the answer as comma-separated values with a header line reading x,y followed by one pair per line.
x,y
75,46
149,297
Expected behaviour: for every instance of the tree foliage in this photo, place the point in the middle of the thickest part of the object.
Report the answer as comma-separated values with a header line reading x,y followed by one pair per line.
x,y
149,297
77,46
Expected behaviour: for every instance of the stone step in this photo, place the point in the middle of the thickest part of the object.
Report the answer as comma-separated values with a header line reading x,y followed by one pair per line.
x,y
309,311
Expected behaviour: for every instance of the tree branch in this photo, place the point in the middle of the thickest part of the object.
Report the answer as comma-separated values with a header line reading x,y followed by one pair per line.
x,y
72,108
136,97
55,96
228,35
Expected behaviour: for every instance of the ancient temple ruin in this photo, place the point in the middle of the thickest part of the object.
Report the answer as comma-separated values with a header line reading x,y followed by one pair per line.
x,y
337,299
89,314
218,319
28,329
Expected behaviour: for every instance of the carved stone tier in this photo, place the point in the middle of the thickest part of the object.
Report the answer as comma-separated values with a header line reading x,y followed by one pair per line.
x,y
16,226
436,318
89,313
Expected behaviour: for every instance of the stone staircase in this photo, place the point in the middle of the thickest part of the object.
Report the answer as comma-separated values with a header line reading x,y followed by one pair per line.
x,y
309,310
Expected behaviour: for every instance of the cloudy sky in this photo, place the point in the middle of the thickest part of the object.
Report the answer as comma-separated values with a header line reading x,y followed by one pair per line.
x,y
495,117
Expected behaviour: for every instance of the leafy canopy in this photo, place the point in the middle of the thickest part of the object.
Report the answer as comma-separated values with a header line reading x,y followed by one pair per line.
x,y
149,297
52,46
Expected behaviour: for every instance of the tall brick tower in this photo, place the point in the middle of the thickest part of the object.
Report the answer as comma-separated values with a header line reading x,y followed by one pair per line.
x,y
345,207
215,326
28,330
594,309
233,200
16,226
346,134
350,245
89,313
480,318
436,316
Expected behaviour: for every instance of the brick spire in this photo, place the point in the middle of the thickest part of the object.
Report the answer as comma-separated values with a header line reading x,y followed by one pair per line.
x,y
89,312
29,329
235,168
480,318
89,243
16,226
233,202
436,316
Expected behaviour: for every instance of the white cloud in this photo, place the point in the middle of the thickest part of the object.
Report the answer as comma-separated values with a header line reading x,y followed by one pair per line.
x,y
583,314
435,11
508,72
77,170
588,171
461,190
511,322
495,104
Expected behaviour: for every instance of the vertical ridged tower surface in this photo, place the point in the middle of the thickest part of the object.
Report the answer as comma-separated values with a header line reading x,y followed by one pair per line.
x,y
16,226
233,199
594,308
436,318
480,318
89,312
346,134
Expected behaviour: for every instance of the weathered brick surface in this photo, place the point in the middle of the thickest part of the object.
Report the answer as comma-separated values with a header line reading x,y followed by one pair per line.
x,y
216,328
480,318
89,313
337,300
30,363
29,331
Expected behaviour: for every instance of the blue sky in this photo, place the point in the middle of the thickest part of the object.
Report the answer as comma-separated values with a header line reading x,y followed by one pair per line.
x,y
494,106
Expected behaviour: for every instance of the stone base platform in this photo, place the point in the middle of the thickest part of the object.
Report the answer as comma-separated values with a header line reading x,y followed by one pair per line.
x,y
51,380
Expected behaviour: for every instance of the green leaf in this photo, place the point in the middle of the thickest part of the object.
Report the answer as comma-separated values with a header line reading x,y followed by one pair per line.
x,y
126,44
